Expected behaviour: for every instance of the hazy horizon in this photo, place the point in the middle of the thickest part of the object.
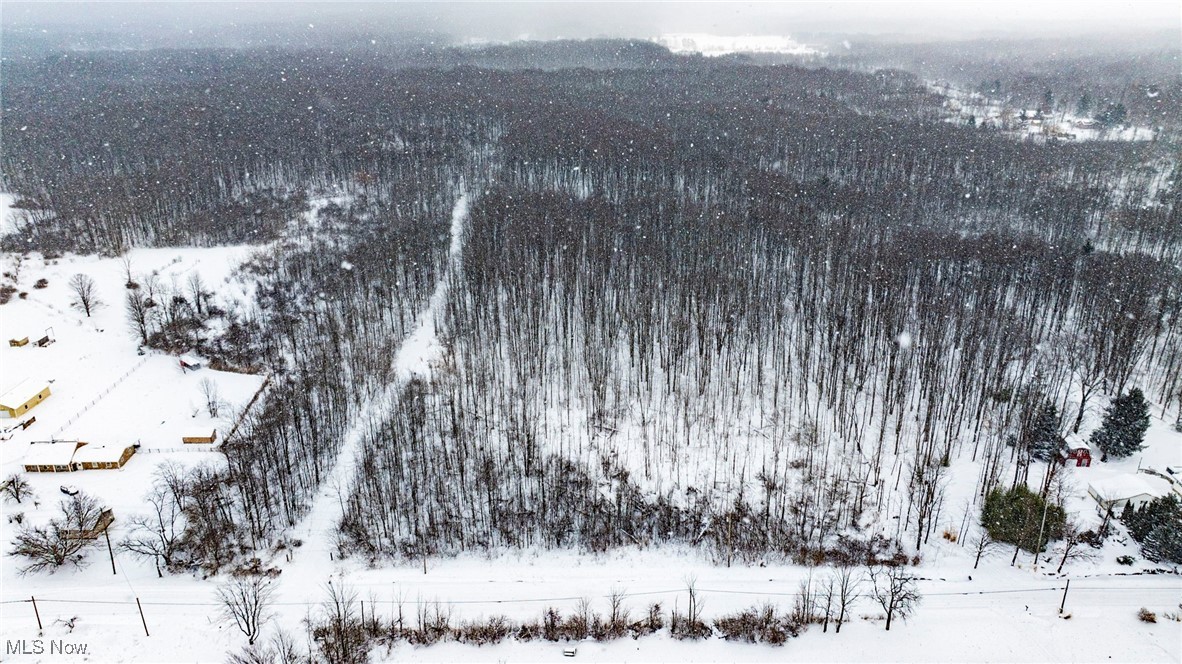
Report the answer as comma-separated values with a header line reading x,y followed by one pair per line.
x,y
506,21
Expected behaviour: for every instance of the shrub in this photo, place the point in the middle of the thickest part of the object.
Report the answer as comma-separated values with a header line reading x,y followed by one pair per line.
x,y
1016,517
529,632
41,283
757,625
1125,560
493,630
652,623
1145,615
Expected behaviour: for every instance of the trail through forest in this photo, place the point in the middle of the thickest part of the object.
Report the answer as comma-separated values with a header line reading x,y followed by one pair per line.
x,y
413,360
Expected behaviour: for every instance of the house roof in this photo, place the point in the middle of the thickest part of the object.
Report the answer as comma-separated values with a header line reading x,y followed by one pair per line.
x,y
100,453
1121,487
21,392
51,453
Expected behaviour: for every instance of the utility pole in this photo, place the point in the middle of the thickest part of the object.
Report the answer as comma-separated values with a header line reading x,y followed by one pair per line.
x,y
1046,505
142,619
107,534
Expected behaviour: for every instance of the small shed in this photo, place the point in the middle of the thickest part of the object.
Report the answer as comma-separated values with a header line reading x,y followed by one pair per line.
x,y
51,456
1076,455
102,457
1113,494
211,437
188,362
104,521
18,399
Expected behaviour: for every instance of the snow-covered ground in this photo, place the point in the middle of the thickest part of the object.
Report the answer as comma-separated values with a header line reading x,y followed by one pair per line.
x,y
1004,614
715,45
8,220
104,391
962,105
415,359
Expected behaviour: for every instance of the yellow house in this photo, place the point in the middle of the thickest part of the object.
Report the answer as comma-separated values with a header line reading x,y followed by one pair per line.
x,y
23,396
52,456
66,456
102,457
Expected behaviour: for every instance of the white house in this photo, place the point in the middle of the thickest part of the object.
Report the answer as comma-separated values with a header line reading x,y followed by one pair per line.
x,y
1114,493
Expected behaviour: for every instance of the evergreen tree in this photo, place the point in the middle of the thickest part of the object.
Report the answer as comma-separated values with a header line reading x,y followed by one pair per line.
x,y
1016,517
1041,434
1113,115
1124,426
1157,526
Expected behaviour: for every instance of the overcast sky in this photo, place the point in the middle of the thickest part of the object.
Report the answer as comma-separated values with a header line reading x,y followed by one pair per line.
x,y
544,20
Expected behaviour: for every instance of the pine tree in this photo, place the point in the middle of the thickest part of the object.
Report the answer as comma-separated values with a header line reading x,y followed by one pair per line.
x,y
1041,434
1157,526
1124,426
1019,515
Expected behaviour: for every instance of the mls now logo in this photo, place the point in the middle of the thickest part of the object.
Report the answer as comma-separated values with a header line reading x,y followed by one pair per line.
x,y
42,647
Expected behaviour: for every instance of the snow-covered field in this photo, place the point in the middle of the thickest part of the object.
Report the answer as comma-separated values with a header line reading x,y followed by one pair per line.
x,y
1027,123
103,390
1004,614
715,45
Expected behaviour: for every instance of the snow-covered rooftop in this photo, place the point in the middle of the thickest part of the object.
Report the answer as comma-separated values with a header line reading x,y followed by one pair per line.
x,y
1123,486
21,392
99,453
50,453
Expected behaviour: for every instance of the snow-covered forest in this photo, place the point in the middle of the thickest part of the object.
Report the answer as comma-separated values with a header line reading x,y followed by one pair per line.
x,y
757,313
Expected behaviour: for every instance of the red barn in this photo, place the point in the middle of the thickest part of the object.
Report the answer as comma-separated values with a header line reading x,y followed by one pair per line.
x,y
1082,456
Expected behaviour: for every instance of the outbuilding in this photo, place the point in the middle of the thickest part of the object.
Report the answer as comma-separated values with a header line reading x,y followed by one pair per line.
x,y
1081,455
201,438
20,398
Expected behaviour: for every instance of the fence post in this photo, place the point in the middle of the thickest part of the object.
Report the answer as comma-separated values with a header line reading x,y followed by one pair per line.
x,y
36,612
1064,602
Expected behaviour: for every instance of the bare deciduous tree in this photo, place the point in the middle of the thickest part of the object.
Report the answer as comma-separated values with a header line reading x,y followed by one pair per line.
x,y
139,314
282,649
157,535
893,587
340,633
128,273
85,294
847,592
1073,537
983,546
61,541
47,547
209,390
245,600
15,487
197,291
81,512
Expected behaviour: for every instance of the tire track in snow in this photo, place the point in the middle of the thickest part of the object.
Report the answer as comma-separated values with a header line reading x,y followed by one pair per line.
x,y
414,359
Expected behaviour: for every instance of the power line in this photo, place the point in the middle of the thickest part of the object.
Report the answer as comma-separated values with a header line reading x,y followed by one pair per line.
x,y
573,598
